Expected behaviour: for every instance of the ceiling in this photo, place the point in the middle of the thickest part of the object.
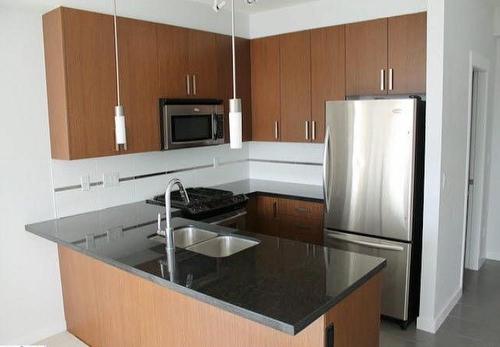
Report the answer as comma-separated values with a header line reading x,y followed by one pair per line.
x,y
260,5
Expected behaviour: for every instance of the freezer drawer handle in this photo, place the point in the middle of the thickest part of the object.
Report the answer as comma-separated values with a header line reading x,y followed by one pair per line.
x,y
366,244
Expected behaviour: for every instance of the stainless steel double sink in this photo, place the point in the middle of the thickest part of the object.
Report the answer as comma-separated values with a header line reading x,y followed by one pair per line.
x,y
209,243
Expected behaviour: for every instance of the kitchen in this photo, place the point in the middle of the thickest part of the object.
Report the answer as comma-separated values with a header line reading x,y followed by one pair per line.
x,y
282,174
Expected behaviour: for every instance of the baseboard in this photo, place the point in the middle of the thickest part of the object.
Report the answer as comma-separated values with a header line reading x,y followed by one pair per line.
x,y
493,256
432,325
38,335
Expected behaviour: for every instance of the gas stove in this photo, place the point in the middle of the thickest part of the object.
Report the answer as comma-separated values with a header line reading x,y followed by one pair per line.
x,y
204,203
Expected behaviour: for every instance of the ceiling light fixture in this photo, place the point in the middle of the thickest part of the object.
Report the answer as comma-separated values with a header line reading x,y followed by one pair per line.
x,y
120,128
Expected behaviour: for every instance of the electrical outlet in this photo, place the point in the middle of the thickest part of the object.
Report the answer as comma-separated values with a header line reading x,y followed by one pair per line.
x,y
85,183
111,179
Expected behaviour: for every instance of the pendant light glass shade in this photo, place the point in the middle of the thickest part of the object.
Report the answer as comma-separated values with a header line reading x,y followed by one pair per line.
x,y
235,124
120,129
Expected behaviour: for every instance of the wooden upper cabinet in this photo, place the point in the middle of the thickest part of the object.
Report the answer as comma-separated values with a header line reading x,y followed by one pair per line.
x,y
407,53
265,69
139,83
327,74
295,76
243,83
225,80
173,59
366,58
203,64
224,76
81,83
188,62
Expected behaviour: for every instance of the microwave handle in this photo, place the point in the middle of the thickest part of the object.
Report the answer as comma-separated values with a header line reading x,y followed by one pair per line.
x,y
214,126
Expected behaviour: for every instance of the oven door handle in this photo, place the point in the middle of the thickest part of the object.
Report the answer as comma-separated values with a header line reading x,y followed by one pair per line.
x,y
228,219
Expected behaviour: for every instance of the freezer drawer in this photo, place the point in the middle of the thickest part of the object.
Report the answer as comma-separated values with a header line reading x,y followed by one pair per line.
x,y
395,292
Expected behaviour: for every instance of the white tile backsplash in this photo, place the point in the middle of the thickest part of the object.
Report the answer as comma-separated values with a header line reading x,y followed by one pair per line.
x,y
68,173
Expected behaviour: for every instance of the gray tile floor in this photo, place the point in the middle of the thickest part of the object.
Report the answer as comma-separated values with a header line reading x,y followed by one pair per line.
x,y
474,322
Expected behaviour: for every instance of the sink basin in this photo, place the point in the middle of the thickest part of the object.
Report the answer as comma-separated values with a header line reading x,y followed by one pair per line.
x,y
222,246
187,236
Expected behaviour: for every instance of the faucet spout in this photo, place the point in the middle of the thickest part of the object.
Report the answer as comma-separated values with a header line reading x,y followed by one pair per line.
x,y
169,233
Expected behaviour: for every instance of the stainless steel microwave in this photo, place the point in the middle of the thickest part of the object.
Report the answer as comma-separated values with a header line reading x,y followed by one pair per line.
x,y
191,123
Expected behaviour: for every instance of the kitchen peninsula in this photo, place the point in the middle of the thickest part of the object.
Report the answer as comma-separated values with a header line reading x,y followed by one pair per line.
x,y
118,292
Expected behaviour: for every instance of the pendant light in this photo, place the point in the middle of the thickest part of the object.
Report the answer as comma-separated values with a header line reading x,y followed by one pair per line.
x,y
235,116
120,128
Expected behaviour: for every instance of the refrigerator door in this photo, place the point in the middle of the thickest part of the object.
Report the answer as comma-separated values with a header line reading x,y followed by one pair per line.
x,y
395,287
368,167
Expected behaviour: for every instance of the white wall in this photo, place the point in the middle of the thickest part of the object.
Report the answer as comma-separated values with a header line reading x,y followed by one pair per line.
x,y
176,12
493,240
328,12
468,26
30,291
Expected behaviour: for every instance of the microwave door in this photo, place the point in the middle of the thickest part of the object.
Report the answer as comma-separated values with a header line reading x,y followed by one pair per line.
x,y
191,129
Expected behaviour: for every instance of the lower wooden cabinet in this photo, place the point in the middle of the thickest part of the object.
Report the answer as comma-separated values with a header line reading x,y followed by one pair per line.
x,y
287,218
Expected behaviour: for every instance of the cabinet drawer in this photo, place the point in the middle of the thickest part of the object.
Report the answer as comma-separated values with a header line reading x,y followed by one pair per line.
x,y
302,229
300,208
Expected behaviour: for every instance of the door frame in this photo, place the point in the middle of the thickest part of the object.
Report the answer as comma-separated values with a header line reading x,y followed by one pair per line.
x,y
471,255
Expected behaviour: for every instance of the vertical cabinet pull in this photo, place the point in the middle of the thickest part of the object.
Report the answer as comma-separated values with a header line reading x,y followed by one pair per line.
x,y
391,79
276,130
194,84
188,85
314,130
307,130
275,209
382,79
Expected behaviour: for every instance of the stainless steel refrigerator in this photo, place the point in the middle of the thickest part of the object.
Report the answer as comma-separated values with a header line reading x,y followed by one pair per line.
x,y
373,185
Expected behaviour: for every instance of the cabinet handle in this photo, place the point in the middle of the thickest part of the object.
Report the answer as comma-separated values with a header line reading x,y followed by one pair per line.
x,y
314,130
391,79
194,84
276,130
275,209
188,85
382,79
301,209
307,130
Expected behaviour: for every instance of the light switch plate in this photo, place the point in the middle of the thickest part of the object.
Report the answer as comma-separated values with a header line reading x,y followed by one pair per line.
x,y
85,183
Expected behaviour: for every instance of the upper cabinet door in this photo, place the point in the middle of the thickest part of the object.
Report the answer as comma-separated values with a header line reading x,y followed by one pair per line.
x,y
173,59
265,69
81,83
139,83
224,76
243,84
407,54
203,64
366,58
295,72
327,74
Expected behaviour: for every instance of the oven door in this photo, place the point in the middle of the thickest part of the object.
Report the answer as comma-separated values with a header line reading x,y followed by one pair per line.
x,y
235,220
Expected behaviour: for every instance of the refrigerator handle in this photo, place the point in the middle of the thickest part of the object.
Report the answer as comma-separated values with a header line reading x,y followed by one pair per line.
x,y
364,243
326,163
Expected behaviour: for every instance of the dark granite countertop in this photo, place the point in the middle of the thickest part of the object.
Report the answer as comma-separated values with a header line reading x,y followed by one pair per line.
x,y
276,188
280,283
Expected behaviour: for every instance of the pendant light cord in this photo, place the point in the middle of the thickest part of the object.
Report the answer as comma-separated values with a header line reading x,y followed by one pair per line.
x,y
116,54
234,50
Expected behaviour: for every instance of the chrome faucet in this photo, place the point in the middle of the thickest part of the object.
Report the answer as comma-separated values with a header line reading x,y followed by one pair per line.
x,y
169,232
